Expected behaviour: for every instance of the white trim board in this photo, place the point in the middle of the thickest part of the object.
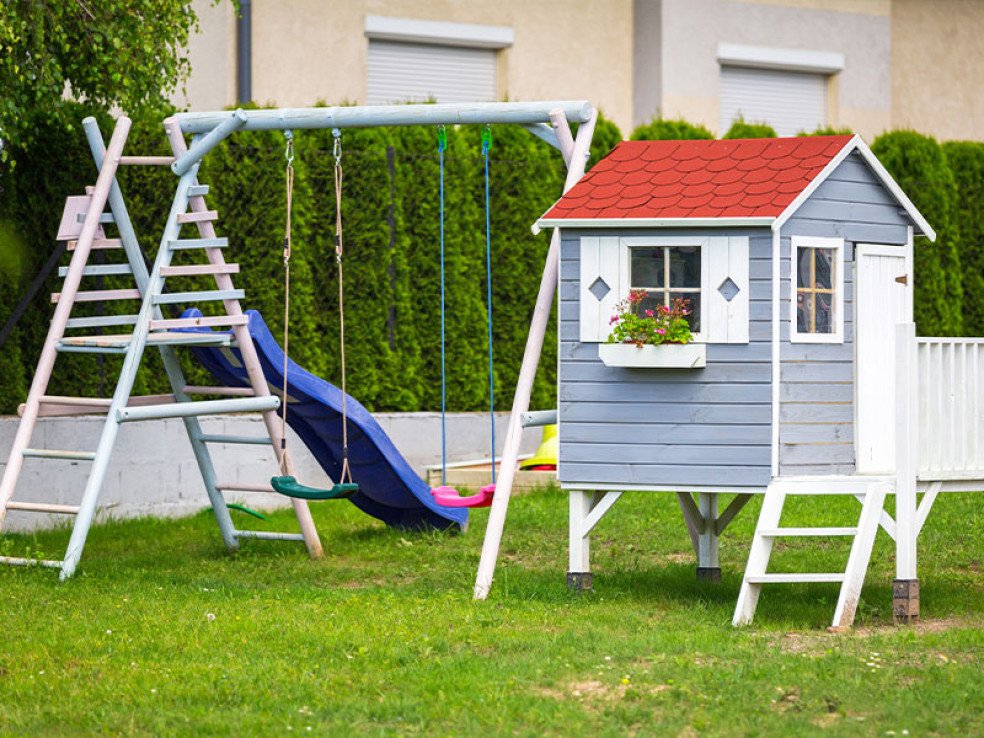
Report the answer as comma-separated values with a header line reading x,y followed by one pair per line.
x,y
649,223
598,487
412,30
790,60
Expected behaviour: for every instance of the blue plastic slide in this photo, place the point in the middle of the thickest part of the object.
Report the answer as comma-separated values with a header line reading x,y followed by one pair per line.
x,y
389,489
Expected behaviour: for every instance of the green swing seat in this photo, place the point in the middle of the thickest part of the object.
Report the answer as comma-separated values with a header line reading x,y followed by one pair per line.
x,y
290,487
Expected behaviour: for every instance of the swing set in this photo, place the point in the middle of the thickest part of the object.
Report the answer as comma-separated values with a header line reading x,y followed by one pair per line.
x,y
82,227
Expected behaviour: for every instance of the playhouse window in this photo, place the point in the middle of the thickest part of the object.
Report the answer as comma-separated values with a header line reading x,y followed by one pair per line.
x,y
818,290
667,273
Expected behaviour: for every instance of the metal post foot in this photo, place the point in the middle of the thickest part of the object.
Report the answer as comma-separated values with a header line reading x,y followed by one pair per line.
x,y
709,573
580,581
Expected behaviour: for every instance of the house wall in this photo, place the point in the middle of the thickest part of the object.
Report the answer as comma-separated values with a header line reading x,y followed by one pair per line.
x,y
307,51
859,97
816,407
696,427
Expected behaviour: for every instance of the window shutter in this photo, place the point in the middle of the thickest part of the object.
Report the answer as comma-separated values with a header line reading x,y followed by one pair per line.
x,y
726,290
600,286
790,102
398,72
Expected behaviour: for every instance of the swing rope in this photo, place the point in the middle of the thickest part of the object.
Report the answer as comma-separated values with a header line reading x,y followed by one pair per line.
x,y
486,145
442,142
339,249
286,484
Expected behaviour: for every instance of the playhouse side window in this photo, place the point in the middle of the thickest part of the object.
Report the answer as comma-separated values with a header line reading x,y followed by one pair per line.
x,y
668,273
817,290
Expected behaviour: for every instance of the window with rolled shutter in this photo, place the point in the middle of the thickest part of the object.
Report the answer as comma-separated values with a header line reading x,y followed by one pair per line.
x,y
401,72
790,102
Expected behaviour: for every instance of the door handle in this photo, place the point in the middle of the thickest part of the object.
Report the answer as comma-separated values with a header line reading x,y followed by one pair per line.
x,y
904,279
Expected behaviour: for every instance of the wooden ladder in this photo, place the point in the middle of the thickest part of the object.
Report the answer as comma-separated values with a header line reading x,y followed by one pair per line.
x,y
870,491
82,225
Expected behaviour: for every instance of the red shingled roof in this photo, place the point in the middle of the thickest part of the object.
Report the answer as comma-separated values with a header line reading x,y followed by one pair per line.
x,y
739,178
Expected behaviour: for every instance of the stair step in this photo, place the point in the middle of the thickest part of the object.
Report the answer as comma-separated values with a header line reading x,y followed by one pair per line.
x,y
798,578
43,507
266,535
165,338
199,190
146,161
249,440
172,298
202,216
17,561
101,295
99,270
51,453
204,407
102,321
807,532
103,218
198,243
195,270
98,244
202,322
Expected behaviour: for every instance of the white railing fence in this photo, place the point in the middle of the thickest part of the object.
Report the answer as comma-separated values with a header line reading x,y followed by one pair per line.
x,y
950,387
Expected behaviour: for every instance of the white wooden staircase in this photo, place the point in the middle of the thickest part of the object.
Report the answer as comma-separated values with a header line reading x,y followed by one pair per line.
x,y
870,491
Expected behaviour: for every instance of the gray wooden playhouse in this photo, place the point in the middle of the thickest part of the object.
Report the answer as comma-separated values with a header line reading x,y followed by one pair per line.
x,y
796,256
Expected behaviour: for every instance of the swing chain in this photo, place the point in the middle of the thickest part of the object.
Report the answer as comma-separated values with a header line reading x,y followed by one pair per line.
x,y
337,153
486,139
289,175
442,138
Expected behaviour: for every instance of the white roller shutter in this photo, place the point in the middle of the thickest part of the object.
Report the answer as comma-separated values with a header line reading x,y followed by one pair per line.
x,y
400,72
790,102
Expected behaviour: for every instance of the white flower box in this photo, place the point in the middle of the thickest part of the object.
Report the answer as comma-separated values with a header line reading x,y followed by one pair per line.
x,y
663,356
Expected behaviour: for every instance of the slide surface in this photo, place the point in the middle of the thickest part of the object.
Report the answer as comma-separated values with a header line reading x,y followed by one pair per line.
x,y
389,489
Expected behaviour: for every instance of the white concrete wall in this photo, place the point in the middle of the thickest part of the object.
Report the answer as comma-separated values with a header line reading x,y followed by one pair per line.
x,y
153,471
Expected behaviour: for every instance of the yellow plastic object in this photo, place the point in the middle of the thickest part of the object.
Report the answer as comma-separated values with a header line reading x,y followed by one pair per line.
x,y
546,454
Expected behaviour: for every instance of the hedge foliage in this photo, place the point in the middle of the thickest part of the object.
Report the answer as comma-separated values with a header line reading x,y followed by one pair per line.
x,y
743,129
391,237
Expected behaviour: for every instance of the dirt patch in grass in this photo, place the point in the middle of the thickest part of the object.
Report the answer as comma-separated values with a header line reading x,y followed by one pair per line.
x,y
817,643
596,693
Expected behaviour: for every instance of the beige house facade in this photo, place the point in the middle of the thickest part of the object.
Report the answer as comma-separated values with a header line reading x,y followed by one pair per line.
x,y
866,65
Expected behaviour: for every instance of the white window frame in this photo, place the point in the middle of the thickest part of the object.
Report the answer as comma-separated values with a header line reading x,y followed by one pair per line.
x,y
627,244
815,242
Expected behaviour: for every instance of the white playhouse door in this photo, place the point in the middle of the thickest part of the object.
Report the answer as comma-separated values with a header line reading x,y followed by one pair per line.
x,y
883,300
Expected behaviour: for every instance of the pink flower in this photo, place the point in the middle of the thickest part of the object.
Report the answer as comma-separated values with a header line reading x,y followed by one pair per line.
x,y
650,313
664,308
614,319
661,331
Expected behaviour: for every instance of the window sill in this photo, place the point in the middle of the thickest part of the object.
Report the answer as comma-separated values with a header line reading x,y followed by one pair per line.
x,y
664,356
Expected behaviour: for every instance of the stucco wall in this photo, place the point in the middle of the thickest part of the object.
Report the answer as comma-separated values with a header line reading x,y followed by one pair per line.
x,y
310,50
691,32
937,48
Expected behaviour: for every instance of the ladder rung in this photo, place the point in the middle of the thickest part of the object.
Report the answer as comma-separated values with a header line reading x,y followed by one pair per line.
x,y
798,578
202,322
199,243
198,217
204,407
807,532
59,406
99,243
194,389
244,487
17,561
50,453
250,440
199,190
73,348
99,270
43,507
100,295
146,161
103,217
102,321
120,343
266,535
195,270
171,298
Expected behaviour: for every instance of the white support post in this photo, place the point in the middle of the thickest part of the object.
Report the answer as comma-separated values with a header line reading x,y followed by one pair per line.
x,y
579,561
527,372
905,589
708,567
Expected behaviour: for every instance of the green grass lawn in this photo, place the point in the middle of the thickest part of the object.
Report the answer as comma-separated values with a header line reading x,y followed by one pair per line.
x,y
164,633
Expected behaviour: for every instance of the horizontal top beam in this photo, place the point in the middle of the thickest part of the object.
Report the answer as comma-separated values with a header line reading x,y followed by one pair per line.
x,y
576,111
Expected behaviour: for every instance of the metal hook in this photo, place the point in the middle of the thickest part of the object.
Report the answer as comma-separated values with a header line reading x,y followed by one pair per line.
x,y
337,148
289,152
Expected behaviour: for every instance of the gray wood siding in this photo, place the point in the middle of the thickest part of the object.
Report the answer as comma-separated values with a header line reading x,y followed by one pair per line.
x,y
703,427
816,398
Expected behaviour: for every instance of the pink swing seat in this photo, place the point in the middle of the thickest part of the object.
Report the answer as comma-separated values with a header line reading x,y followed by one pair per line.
x,y
449,497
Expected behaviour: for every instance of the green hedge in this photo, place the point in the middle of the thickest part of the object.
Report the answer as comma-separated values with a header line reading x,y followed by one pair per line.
x,y
392,266
918,164
966,160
